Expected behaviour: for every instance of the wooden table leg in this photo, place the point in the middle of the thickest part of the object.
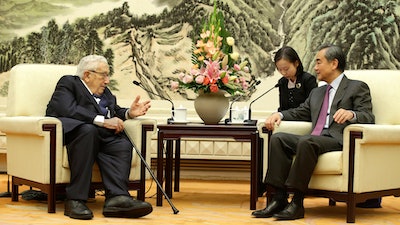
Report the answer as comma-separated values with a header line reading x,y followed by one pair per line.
x,y
177,164
160,166
254,170
168,168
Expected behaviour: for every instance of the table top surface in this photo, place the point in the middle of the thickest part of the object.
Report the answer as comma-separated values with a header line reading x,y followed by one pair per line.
x,y
239,132
200,125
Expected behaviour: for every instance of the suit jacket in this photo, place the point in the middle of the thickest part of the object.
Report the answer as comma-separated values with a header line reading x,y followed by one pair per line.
x,y
304,84
73,104
351,95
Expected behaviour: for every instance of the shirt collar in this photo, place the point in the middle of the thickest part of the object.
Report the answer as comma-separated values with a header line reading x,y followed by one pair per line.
x,y
86,87
335,83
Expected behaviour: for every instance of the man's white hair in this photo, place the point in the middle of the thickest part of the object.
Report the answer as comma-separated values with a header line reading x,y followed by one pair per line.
x,y
89,62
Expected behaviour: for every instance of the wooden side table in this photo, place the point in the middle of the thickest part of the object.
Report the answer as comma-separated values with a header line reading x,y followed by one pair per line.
x,y
174,132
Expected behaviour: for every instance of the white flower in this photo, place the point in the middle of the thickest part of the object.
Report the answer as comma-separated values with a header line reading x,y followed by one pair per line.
x,y
234,56
230,41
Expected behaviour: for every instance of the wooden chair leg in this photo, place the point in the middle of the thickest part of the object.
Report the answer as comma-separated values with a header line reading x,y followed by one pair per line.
x,y
14,193
351,211
51,200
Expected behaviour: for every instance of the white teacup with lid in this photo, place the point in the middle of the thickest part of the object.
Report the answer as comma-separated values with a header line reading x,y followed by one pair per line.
x,y
180,114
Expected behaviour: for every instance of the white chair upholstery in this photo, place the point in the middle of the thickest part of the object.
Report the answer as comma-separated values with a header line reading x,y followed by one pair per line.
x,y
369,163
35,152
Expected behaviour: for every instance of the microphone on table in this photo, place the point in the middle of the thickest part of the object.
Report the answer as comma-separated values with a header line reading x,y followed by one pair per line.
x,y
249,121
169,120
228,120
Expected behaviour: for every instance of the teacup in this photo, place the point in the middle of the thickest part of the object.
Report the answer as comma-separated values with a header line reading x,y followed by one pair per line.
x,y
180,114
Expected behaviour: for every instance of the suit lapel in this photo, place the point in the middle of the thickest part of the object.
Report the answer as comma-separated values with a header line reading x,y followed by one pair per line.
x,y
87,95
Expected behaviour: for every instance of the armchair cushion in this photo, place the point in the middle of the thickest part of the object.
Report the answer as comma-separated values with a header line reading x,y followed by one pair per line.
x,y
329,163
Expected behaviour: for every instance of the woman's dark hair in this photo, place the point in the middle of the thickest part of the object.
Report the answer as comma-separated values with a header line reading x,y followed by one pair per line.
x,y
289,54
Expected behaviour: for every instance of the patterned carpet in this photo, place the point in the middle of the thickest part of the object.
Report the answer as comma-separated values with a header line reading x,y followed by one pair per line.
x,y
199,202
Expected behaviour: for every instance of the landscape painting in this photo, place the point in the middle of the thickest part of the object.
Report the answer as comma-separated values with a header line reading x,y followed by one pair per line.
x,y
151,41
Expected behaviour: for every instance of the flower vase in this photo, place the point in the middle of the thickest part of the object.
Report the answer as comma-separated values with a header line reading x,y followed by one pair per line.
x,y
211,107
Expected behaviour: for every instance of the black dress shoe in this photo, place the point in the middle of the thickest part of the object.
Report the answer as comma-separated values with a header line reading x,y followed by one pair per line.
x,y
126,207
370,203
292,211
77,209
274,207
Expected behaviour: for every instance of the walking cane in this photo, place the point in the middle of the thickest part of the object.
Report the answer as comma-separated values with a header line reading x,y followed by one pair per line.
x,y
155,179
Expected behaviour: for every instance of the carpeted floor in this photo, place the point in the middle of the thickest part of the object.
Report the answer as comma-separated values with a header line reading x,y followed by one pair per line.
x,y
199,202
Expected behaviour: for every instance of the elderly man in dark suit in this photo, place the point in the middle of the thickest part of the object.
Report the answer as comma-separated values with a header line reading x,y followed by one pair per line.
x,y
330,108
93,131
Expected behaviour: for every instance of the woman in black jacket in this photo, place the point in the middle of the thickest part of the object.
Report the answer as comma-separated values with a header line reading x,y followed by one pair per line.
x,y
296,84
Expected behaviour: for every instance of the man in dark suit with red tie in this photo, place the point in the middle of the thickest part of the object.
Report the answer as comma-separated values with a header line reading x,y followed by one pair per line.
x,y
93,132
347,101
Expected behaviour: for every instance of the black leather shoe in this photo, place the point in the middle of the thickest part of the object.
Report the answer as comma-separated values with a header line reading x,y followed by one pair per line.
x,y
370,203
77,209
292,211
126,207
274,207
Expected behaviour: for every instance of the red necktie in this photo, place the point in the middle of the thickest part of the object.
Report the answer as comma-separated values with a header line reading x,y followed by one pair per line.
x,y
319,126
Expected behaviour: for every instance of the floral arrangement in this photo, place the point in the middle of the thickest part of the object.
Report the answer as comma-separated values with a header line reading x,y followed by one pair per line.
x,y
215,65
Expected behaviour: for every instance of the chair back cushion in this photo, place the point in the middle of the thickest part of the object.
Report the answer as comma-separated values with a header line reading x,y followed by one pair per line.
x,y
31,87
385,92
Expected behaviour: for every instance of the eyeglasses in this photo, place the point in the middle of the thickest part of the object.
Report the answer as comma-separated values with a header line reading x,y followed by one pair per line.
x,y
104,75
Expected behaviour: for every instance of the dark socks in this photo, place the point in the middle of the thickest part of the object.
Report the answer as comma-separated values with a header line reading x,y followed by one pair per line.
x,y
280,194
298,197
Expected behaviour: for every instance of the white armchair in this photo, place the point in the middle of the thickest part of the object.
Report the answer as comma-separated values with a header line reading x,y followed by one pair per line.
x,y
368,167
35,153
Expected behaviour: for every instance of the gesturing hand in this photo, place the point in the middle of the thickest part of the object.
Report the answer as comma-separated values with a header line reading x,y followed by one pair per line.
x,y
139,108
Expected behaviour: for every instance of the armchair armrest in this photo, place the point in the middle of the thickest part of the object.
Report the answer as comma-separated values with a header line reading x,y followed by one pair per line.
x,y
134,128
28,125
34,147
370,150
294,127
375,133
140,132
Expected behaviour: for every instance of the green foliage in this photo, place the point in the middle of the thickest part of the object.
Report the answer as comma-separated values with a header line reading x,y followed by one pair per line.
x,y
65,45
368,31
72,40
